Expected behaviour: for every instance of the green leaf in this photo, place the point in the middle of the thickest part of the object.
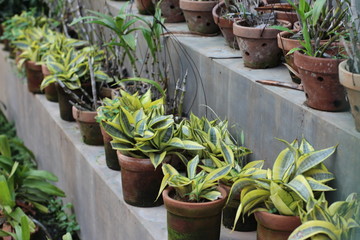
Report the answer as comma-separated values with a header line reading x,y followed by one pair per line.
x,y
312,228
192,167
211,196
191,145
301,186
310,160
44,187
41,174
157,159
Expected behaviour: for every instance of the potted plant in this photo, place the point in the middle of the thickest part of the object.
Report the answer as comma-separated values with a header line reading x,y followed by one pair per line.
x,y
297,174
171,11
349,71
193,203
340,220
257,40
144,140
198,16
317,62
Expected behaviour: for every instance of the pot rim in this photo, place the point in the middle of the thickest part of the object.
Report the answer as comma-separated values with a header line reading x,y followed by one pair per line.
x,y
257,33
33,66
347,78
270,220
197,6
220,20
84,116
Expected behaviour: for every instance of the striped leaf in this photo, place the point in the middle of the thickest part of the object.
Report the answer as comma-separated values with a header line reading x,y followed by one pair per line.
x,y
176,143
122,146
312,228
319,175
191,145
211,196
157,159
281,199
115,131
192,166
305,147
218,173
301,186
310,160
254,164
318,186
214,136
238,185
282,164
227,153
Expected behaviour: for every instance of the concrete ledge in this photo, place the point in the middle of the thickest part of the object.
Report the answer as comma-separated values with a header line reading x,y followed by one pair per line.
x,y
94,189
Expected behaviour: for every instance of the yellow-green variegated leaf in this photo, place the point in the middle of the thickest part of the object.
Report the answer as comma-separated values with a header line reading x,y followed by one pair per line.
x,y
100,75
217,162
176,143
310,160
146,147
280,205
311,228
218,173
191,145
129,115
319,175
154,104
215,136
47,81
318,186
301,186
282,164
238,185
164,182
156,159
253,198
122,146
211,196
124,119
55,68
168,169
227,153
254,164
305,147
161,122
192,166
147,135
115,131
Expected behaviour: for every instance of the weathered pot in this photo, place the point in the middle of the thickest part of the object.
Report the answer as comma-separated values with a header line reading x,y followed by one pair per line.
x,y
34,76
145,7
274,226
50,90
140,181
287,16
111,158
229,214
258,46
171,11
89,128
297,26
351,82
193,221
225,25
198,16
320,78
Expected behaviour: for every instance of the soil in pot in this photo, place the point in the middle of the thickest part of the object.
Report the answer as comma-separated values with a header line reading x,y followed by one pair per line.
x,y
193,221
225,25
50,90
229,214
171,11
89,128
258,45
145,7
111,158
320,78
198,16
351,82
34,76
275,227
140,181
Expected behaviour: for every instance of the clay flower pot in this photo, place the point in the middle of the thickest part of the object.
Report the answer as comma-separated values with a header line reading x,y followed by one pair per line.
x,y
225,25
34,76
198,16
193,221
145,7
111,158
89,128
50,90
229,214
140,181
171,11
274,226
320,78
351,82
258,45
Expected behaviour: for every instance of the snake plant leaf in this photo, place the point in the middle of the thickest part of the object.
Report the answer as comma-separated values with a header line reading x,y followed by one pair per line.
x,y
211,196
281,199
55,67
125,122
191,145
310,160
146,147
47,81
153,104
215,136
254,164
176,143
218,163
318,186
312,228
319,175
305,146
218,173
121,146
156,159
161,122
114,131
238,185
282,164
192,166
102,76
167,135
254,197
44,187
301,186
227,153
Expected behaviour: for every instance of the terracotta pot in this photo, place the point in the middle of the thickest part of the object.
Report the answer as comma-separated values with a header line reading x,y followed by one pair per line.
x,y
193,221
283,11
50,90
111,158
225,25
89,128
198,16
34,76
287,16
270,1
274,226
351,82
258,46
140,181
145,7
65,106
171,11
320,78
297,26
229,214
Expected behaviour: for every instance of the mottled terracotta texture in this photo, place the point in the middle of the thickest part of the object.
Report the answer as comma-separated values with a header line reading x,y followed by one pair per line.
x,y
145,7
320,77
110,154
193,221
198,16
225,25
229,213
34,76
258,45
140,181
171,11
287,16
351,82
274,226
89,128
50,90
